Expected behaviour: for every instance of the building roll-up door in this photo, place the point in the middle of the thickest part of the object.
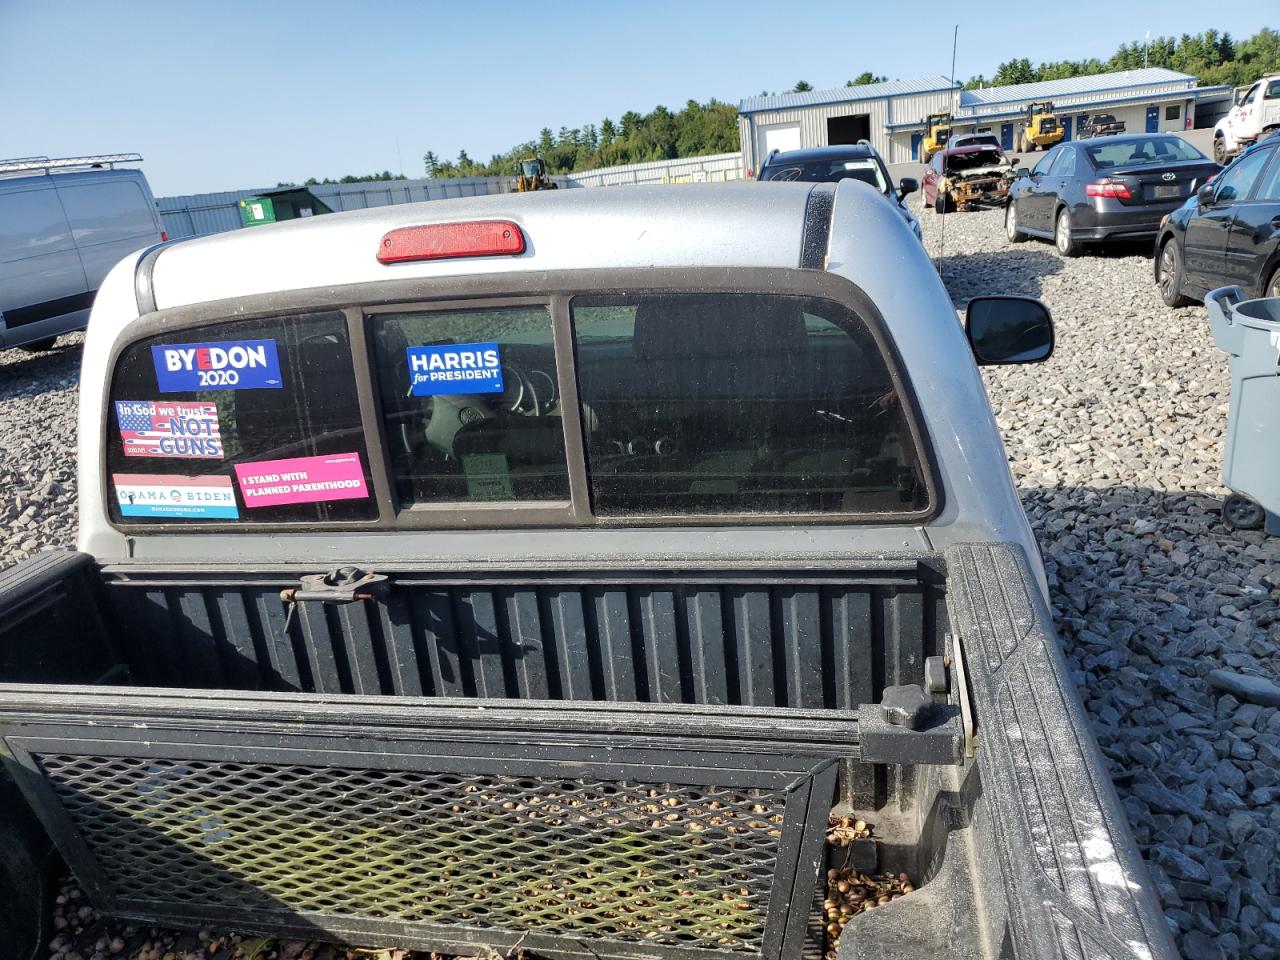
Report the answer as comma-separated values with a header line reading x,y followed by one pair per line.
x,y
781,137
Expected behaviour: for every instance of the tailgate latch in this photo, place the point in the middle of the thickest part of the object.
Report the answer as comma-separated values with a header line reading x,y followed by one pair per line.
x,y
340,585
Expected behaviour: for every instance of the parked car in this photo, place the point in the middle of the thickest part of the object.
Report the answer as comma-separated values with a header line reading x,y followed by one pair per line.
x,y
1105,189
975,140
1100,125
1227,233
846,161
967,176
548,589
63,224
1254,115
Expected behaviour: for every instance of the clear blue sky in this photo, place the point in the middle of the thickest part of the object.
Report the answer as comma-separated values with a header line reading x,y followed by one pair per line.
x,y
224,94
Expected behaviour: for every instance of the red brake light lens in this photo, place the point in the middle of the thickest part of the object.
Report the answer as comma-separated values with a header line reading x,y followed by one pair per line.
x,y
443,241
1116,189
164,236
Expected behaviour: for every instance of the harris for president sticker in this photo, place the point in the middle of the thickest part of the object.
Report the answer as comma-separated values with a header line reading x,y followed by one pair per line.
x,y
455,368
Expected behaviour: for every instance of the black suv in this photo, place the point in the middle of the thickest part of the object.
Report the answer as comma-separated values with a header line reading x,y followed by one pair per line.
x,y
1228,232
857,161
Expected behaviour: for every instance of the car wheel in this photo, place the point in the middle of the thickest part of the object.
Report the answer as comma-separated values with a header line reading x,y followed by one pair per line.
x,y
1220,150
1242,513
1011,224
39,346
1169,275
1062,234
1272,289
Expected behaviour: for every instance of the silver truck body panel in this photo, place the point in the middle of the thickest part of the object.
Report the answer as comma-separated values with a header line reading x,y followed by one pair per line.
x,y
735,226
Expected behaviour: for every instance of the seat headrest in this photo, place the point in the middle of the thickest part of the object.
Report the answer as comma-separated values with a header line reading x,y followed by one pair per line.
x,y
706,325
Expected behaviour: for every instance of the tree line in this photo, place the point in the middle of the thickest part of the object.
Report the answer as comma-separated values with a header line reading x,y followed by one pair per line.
x,y
712,127
1215,58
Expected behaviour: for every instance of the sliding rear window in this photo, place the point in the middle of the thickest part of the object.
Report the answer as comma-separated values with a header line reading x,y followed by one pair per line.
x,y
740,403
470,404
243,421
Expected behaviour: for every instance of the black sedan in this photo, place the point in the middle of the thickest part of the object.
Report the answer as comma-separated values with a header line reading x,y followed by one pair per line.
x,y
1111,188
1228,234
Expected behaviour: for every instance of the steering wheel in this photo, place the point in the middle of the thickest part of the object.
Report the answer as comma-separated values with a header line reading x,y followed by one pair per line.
x,y
525,389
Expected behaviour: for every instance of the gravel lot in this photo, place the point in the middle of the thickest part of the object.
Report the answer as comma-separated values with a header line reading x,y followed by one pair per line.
x,y
1116,446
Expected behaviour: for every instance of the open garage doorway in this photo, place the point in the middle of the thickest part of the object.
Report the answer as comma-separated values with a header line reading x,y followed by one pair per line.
x,y
849,129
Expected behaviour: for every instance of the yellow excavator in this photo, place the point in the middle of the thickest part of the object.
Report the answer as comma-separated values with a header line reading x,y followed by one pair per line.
x,y
1042,128
533,176
937,131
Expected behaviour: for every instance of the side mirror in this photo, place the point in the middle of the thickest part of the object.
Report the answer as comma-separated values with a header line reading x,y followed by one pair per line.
x,y
1022,173
1204,195
1014,161
1008,330
907,185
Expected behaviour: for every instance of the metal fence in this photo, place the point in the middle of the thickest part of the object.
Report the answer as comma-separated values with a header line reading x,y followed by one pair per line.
x,y
196,215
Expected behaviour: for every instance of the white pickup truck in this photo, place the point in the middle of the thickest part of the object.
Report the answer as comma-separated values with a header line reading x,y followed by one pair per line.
x,y
1256,114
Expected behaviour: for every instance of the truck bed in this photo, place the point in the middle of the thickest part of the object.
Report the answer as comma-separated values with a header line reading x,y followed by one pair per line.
x,y
581,763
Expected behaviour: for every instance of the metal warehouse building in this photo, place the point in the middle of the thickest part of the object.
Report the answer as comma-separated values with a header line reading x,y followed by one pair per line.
x,y
891,115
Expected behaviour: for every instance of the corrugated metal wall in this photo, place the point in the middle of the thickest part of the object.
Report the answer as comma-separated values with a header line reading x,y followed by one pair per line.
x,y
912,109
715,168
198,214
813,122
203,213
1087,97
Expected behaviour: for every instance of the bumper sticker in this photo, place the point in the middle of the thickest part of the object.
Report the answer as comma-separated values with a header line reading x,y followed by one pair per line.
x,y
158,495
161,429
337,476
454,368
231,365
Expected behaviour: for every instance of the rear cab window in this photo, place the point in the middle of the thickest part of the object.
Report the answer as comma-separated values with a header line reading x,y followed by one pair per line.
x,y
574,409
251,421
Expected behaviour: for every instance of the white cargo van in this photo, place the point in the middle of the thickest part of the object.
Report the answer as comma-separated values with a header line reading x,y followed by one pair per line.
x,y
63,224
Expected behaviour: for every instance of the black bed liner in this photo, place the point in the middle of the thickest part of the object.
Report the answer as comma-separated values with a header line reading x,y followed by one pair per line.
x,y
205,755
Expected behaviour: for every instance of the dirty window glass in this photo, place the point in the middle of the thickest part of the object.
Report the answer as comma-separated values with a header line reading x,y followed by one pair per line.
x,y
245,421
830,171
1115,152
1047,161
728,403
1236,182
471,405
1065,165
1270,186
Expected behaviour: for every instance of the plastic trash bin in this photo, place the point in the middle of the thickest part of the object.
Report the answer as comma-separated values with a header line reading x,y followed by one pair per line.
x,y
1249,330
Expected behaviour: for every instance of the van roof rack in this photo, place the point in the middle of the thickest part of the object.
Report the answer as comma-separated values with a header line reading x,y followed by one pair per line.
x,y
45,164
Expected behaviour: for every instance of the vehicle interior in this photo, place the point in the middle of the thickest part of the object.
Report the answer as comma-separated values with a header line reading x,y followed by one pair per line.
x,y
689,404
866,169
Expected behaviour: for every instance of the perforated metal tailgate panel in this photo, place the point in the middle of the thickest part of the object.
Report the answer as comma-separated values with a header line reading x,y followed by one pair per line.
x,y
586,830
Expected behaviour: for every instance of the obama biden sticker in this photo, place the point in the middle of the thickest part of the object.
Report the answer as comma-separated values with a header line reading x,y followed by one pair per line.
x,y
454,368
229,365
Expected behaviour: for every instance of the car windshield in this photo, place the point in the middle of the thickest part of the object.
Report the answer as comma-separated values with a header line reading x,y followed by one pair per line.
x,y
1138,152
971,161
976,140
865,169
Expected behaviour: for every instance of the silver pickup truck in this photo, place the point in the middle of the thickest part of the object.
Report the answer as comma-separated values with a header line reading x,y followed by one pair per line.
x,y
600,574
